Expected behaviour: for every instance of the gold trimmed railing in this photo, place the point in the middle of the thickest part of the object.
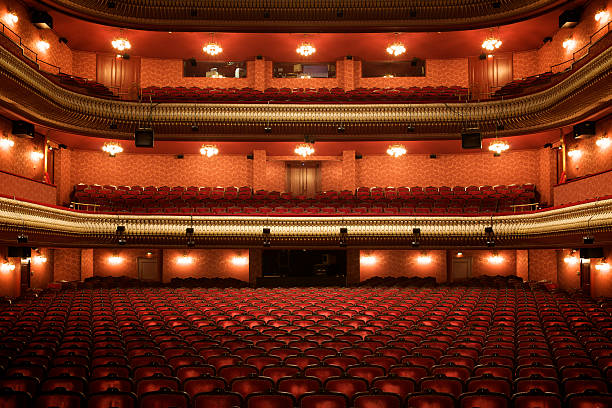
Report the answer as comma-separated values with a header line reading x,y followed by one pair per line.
x,y
53,225
31,94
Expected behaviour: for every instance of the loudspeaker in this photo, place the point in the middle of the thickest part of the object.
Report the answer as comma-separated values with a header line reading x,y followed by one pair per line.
x,y
189,230
588,253
433,156
471,140
488,230
19,252
143,137
120,229
358,156
266,230
41,19
180,156
586,128
250,156
349,57
21,128
569,18
343,230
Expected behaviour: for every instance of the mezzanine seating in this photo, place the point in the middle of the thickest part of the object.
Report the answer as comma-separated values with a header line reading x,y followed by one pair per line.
x,y
525,85
340,347
302,95
365,200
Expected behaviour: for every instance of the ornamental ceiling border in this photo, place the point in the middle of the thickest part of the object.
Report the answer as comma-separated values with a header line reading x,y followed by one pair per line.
x,y
28,92
304,15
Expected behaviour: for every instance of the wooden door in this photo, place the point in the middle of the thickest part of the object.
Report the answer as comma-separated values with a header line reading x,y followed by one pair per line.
x,y
461,269
122,76
148,269
489,74
303,178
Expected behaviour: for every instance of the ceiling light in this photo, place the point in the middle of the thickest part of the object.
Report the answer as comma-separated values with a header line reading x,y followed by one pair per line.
x,y
496,259
6,267
569,44
424,259
396,150
36,155
368,260
306,49
121,44
212,48
603,142
491,43
42,46
498,146
11,18
5,142
112,148
209,150
602,16
115,259
396,49
184,260
574,153
304,149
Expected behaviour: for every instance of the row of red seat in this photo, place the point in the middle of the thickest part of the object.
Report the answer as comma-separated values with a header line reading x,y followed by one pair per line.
x,y
359,347
519,86
323,95
84,85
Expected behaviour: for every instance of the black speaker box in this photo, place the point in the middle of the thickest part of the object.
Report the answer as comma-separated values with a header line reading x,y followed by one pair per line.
x,y
249,156
358,156
42,19
586,128
22,129
471,140
19,252
143,137
569,18
588,253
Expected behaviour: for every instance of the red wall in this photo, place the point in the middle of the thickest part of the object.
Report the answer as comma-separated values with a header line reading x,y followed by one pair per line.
x,y
16,159
398,263
446,72
66,264
169,72
84,64
568,276
209,263
42,273
594,159
462,169
579,190
543,265
601,282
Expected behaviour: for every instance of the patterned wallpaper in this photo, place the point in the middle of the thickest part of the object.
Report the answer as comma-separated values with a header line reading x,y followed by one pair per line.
x,y
84,64
448,169
590,187
331,175
211,263
568,276
129,266
41,274
63,180
58,54
157,169
398,263
543,265
27,189
17,159
87,263
601,284
522,264
482,266
276,175
304,83
525,63
547,174
66,264
594,159
446,72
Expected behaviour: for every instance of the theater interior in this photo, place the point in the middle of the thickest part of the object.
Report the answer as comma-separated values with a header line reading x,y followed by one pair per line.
x,y
302,203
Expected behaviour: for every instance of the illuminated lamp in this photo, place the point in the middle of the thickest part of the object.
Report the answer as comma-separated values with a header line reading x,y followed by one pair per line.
x,y
574,153
498,146
496,259
424,259
304,149
121,44
603,142
491,43
112,148
240,260
368,260
36,155
115,259
11,18
602,16
6,143
6,267
209,150
184,260
569,44
43,46
39,259
602,266
305,49
396,49
570,259
396,150
212,47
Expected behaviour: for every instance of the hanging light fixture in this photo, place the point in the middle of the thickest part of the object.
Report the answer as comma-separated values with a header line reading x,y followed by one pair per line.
x,y
304,149
121,43
397,47
209,150
603,142
305,49
112,148
212,48
396,150
498,146
492,42
6,143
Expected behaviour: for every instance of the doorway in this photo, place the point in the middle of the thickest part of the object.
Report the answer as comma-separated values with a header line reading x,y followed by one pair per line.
x,y
303,178
461,269
148,270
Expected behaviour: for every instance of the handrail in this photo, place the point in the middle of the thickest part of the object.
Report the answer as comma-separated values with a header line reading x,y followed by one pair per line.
x,y
30,54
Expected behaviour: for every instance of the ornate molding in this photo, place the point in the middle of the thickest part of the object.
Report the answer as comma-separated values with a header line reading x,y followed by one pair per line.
x,y
56,226
304,15
30,93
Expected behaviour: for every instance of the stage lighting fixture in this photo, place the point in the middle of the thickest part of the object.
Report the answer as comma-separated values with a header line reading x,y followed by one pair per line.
x,y
122,241
120,229
22,239
588,240
189,230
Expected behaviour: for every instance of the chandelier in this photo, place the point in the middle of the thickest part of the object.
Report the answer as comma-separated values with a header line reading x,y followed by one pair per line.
x,y
121,44
491,43
212,48
304,149
498,146
396,150
305,49
112,148
209,150
396,49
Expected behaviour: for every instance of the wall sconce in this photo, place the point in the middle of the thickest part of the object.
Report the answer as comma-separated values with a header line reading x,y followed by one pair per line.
x,y
424,259
569,44
36,155
575,153
603,142
43,46
459,254
115,259
184,260
368,260
6,267
6,143
496,259
602,16
240,260
570,259
602,266
11,18
39,259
